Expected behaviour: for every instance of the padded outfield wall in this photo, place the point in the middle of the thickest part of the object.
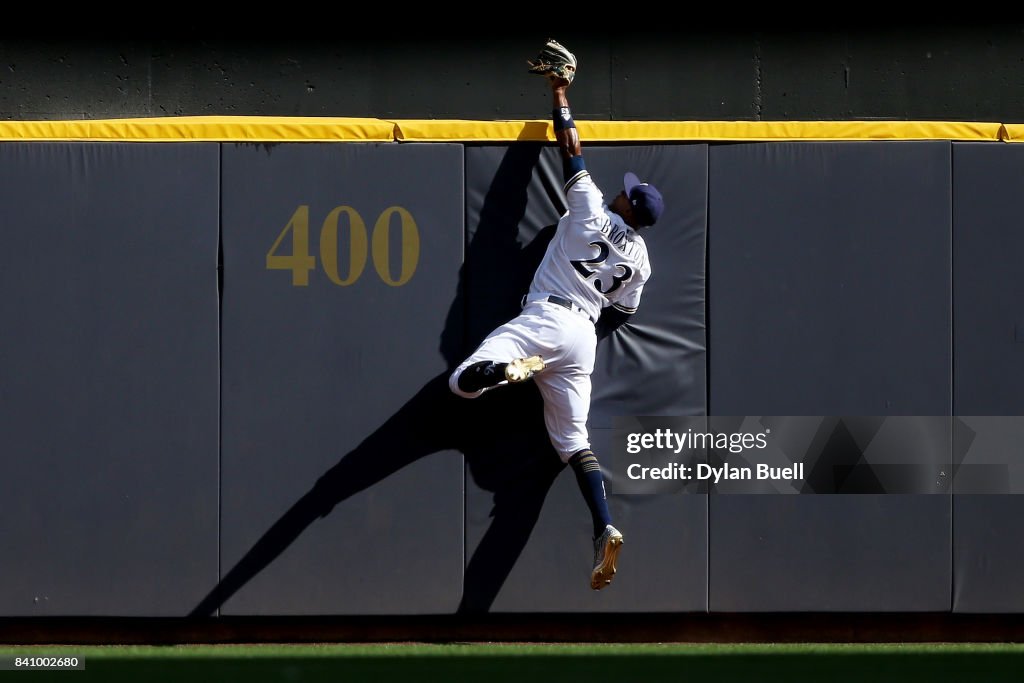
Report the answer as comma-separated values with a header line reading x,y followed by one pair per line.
x,y
228,339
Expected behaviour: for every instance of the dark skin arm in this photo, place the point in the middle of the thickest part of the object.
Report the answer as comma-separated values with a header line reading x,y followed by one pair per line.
x,y
568,139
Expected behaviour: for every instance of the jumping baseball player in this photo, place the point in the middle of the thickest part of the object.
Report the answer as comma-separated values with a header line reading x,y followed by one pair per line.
x,y
595,268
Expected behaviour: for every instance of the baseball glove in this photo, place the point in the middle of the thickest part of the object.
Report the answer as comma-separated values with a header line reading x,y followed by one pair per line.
x,y
554,60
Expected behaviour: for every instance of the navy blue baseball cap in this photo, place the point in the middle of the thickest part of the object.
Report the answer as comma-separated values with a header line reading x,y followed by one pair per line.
x,y
645,198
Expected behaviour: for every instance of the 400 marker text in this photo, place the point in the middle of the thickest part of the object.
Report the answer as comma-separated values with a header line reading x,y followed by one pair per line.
x,y
360,245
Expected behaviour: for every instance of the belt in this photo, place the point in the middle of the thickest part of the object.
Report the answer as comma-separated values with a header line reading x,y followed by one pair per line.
x,y
565,303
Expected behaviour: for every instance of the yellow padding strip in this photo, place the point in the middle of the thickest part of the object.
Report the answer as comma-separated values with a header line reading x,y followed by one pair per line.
x,y
205,128
473,131
334,129
1014,132
669,131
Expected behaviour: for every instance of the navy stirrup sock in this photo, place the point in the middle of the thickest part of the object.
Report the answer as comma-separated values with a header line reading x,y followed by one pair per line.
x,y
591,482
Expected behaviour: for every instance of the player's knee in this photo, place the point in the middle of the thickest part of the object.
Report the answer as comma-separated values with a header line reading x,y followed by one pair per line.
x,y
453,384
584,458
567,451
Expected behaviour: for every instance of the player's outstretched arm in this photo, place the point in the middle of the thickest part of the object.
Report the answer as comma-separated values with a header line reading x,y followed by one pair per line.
x,y
565,129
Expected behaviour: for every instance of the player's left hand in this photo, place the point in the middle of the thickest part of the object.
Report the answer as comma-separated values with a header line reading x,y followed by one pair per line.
x,y
555,62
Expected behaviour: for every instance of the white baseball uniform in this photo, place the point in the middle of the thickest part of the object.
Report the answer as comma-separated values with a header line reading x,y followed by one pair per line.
x,y
594,260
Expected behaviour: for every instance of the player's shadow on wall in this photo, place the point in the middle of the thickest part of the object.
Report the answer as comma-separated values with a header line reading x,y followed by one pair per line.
x,y
501,434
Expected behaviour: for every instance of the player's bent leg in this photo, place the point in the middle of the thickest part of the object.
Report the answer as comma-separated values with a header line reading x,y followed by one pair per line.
x,y
486,367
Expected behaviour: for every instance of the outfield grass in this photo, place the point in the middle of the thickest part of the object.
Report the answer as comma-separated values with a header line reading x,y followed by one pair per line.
x,y
532,663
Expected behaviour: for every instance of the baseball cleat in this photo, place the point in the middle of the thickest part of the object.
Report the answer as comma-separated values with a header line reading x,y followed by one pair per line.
x,y
522,369
606,554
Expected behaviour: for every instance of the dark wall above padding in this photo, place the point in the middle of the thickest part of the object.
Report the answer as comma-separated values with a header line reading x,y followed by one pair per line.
x,y
729,68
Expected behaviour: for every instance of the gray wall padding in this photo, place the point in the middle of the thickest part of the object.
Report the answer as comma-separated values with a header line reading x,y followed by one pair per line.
x,y
988,287
108,378
987,563
830,553
829,281
988,280
988,510
342,488
841,280
829,294
527,525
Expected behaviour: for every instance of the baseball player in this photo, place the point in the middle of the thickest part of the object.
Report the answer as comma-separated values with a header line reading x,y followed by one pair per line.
x,y
596,264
